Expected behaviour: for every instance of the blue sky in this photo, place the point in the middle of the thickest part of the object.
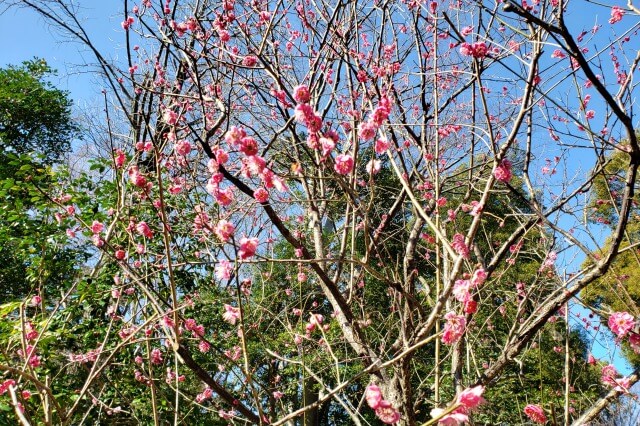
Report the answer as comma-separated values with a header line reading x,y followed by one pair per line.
x,y
26,36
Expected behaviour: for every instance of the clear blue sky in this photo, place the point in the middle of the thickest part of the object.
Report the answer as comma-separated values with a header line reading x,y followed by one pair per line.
x,y
26,35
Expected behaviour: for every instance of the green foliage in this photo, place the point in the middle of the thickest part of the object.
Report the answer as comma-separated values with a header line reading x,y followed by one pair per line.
x,y
537,377
35,131
607,190
619,289
34,256
34,115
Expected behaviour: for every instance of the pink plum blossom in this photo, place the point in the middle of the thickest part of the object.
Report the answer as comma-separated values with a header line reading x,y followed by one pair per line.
x,y
366,131
226,415
461,290
204,346
36,300
255,165
634,342
4,386
207,393
97,227
156,356
234,354
454,328
616,14
452,419
183,147
261,195
137,178
224,230
470,398
608,374
479,277
344,164
477,50
480,49
386,413
503,171
466,49
305,114
373,167
231,314
535,413
316,319
224,197
549,261
224,35
466,30
622,384
249,61
126,24
621,323
248,146
301,94
327,145
170,117
381,146
120,158
460,246
234,135
373,395
143,229
30,333
384,410
223,269
97,240
221,156
247,247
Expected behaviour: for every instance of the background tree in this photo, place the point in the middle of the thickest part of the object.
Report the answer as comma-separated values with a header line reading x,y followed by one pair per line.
x,y
618,289
35,116
36,129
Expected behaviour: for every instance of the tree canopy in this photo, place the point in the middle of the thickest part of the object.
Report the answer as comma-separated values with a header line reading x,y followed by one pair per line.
x,y
36,128
35,116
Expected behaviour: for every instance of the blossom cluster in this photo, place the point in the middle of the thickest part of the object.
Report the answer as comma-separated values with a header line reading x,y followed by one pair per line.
x,y
454,328
477,50
468,400
622,324
368,129
535,413
462,290
610,377
503,171
383,408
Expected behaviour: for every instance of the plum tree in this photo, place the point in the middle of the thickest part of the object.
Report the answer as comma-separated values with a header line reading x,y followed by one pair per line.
x,y
347,212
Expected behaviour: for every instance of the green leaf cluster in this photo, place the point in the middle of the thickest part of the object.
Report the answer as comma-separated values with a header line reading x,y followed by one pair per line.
x,y
35,116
